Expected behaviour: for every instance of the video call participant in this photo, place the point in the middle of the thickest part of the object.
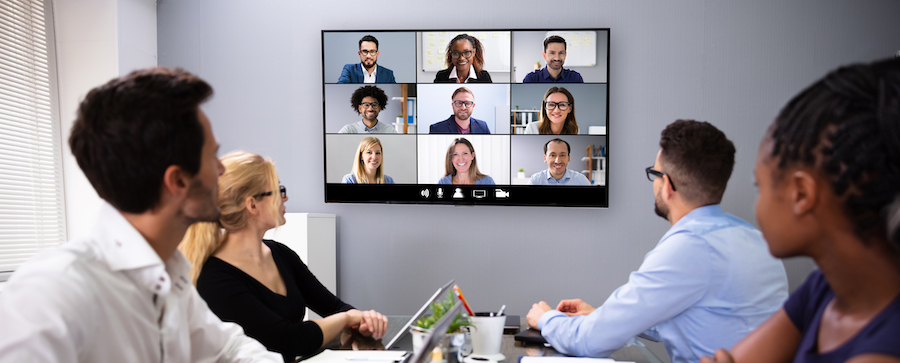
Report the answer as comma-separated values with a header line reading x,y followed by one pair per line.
x,y
556,156
465,55
827,172
557,114
461,166
368,165
262,284
367,70
461,122
708,282
109,296
555,56
368,101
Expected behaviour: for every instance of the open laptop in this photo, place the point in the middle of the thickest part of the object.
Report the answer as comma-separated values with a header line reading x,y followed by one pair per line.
x,y
405,328
434,337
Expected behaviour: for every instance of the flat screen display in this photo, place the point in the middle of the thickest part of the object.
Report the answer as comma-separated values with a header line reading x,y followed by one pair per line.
x,y
467,116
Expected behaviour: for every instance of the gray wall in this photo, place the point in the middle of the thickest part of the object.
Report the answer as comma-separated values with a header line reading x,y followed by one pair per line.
x,y
732,63
396,51
528,151
590,101
527,49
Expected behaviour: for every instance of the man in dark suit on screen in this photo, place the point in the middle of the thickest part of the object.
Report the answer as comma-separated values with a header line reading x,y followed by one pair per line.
x,y
366,71
461,122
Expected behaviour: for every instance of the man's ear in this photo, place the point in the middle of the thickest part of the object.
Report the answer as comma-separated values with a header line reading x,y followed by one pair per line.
x,y
176,181
667,187
803,192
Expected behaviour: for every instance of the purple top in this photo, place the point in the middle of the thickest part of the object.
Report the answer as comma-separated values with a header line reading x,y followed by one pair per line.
x,y
464,131
805,308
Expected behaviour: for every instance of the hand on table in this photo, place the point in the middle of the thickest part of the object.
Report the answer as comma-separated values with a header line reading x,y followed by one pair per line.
x,y
534,315
368,323
574,307
721,356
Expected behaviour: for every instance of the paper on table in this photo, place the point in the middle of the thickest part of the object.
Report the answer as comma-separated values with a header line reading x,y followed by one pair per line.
x,y
349,356
567,360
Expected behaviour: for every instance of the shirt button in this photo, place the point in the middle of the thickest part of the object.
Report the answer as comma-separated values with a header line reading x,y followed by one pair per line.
x,y
161,278
158,287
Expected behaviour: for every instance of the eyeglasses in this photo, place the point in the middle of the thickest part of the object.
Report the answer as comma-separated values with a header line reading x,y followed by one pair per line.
x,y
652,174
368,52
463,103
562,105
281,189
370,105
466,54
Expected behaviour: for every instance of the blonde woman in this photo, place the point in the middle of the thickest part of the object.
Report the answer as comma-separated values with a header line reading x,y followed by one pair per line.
x,y
557,114
461,167
367,165
259,284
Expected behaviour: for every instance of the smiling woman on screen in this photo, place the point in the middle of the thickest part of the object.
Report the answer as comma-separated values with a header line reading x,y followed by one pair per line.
x,y
461,167
368,164
465,58
557,114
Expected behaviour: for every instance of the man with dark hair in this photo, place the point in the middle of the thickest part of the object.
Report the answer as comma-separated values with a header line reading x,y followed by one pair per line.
x,y
124,293
556,155
368,102
461,121
708,282
366,71
555,56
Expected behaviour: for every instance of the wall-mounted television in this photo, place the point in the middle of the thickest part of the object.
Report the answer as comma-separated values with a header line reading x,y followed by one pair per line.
x,y
467,116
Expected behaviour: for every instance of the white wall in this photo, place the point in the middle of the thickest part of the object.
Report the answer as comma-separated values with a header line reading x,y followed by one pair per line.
x,y
96,40
734,64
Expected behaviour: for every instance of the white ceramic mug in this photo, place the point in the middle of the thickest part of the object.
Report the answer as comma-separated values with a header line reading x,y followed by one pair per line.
x,y
487,333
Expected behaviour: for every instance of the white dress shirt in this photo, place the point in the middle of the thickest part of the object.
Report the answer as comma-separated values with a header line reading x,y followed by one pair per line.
x,y
455,77
110,298
368,78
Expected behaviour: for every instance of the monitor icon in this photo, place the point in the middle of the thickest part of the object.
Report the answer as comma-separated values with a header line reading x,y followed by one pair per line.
x,y
479,193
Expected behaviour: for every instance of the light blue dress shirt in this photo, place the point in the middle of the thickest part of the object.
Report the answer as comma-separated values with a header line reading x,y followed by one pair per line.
x,y
571,177
708,282
487,180
359,127
351,179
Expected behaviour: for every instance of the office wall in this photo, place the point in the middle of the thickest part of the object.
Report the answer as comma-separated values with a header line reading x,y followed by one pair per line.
x,y
734,64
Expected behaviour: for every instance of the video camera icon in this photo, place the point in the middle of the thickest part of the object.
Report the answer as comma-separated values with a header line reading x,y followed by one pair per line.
x,y
501,194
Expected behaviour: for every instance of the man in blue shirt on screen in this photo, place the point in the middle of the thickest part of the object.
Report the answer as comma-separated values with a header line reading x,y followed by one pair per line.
x,y
366,71
556,155
555,56
708,282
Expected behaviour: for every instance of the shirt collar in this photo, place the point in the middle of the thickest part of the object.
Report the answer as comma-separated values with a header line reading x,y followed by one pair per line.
x,y
704,211
454,76
362,126
566,176
366,73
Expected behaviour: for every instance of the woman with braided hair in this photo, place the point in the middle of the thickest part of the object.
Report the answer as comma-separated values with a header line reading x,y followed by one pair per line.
x,y
828,172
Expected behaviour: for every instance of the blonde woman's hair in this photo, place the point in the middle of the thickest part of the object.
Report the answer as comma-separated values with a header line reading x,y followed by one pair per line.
x,y
246,175
359,167
448,162
570,127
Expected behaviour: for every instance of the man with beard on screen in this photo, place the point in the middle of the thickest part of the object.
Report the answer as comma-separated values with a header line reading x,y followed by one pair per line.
x,y
708,282
367,70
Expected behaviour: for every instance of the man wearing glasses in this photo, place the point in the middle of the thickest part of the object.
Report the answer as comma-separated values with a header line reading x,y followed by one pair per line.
x,y
366,71
556,155
368,101
708,282
461,122
555,56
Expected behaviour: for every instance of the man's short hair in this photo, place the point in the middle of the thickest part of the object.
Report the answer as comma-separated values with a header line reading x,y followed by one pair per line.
x,y
368,91
368,38
461,90
699,159
131,129
568,148
554,39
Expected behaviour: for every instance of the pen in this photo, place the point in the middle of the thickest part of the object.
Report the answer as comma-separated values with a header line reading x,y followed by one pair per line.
x,y
463,299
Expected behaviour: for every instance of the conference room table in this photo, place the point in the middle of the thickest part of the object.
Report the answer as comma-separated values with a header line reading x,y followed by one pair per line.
x,y
639,350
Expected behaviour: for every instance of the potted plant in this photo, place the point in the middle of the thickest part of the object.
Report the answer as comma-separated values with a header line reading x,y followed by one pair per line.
x,y
521,174
455,335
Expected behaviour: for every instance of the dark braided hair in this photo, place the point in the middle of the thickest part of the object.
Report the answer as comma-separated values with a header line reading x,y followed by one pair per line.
x,y
847,125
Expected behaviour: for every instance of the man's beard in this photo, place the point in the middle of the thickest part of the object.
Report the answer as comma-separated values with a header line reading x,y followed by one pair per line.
x,y
204,206
663,211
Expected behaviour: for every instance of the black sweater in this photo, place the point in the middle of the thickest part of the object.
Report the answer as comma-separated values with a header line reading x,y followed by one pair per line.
x,y
275,321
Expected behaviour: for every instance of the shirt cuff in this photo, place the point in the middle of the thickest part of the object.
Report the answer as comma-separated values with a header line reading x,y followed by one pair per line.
x,y
547,316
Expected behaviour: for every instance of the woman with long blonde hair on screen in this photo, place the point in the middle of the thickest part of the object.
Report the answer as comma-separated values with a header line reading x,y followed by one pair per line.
x,y
259,284
461,167
368,164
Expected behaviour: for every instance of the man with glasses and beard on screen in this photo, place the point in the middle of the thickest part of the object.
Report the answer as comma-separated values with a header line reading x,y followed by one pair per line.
x,y
708,282
368,101
367,70
461,122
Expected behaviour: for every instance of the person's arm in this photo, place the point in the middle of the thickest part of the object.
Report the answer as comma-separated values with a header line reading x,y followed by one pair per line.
x,y
487,77
776,340
345,74
529,78
348,179
673,277
390,76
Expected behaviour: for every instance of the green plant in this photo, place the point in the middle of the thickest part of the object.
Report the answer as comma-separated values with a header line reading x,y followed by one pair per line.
x,y
438,310
521,170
